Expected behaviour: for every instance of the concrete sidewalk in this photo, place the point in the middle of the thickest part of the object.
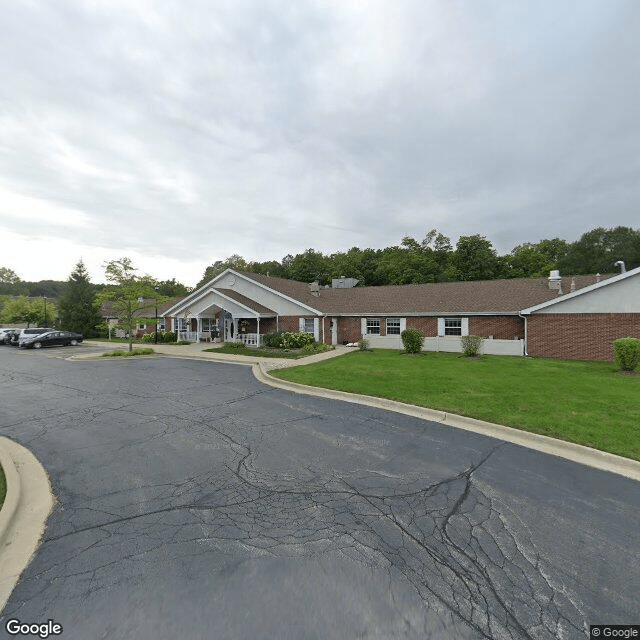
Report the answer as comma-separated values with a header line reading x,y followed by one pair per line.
x,y
199,351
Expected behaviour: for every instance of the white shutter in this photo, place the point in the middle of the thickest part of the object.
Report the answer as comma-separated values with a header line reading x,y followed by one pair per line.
x,y
403,324
440,326
465,326
316,329
301,325
363,326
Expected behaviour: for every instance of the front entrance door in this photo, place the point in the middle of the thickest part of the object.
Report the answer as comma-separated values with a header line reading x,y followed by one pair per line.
x,y
228,326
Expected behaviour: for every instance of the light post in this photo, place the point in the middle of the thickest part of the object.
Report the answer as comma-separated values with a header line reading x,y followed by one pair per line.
x,y
156,301
45,310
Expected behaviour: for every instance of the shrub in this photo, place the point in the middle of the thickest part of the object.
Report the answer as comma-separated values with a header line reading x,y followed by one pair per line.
x,y
296,340
272,340
236,346
287,340
315,347
363,344
412,339
627,353
151,337
471,345
169,336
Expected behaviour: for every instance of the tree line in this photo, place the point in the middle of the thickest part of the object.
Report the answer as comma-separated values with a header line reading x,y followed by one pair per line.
x,y
434,259
75,304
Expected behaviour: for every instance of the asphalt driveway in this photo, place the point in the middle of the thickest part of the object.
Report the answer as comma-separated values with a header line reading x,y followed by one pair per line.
x,y
195,502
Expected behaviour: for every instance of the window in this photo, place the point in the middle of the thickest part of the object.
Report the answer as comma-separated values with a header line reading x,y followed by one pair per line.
x,y
206,324
453,326
142,327
161,324
393,326
373,326
182,324
308,326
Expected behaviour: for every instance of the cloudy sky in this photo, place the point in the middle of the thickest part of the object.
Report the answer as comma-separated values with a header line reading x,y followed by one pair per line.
x,y
179,132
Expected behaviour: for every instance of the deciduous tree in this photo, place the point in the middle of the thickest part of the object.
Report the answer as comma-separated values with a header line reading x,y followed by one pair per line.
x,y
127,292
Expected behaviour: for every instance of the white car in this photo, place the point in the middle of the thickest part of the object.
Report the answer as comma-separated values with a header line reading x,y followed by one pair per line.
x,y
28,333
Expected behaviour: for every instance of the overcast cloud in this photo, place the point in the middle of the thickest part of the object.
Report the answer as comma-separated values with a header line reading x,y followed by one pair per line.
x,y
180,132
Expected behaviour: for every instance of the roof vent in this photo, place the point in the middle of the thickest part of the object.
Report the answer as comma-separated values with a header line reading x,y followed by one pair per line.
x,y
573,285
620,264
343,283
554,279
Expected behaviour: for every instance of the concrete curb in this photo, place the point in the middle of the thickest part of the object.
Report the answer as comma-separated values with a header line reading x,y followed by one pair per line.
x,y
23,517
567,450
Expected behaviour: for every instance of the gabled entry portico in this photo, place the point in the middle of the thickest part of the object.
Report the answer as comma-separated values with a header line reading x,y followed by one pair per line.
x,y
235,317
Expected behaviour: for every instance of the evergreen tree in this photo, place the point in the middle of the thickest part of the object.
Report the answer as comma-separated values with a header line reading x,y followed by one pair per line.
x,y
78,309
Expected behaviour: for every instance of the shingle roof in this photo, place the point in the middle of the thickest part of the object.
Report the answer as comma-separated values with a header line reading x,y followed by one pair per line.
x,y
484,296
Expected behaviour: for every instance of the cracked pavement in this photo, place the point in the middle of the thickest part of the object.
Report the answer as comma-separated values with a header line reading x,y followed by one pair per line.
x,y
195,502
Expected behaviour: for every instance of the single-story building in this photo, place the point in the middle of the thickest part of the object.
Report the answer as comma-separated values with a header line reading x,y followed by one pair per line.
x,y
563,317
143,319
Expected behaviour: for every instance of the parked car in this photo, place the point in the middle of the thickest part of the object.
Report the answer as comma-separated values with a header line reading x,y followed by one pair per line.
x,y
31,331
50,339
7,334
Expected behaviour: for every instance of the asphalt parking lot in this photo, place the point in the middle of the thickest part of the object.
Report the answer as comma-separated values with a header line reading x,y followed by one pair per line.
x,y
196,502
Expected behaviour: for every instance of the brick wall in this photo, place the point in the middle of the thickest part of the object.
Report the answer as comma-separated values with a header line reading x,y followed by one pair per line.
x,y
267,325
428,326
349,329
500,327
289,323
578,336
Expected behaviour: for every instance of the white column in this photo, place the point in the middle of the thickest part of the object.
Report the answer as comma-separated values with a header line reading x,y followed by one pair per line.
x,y
258,332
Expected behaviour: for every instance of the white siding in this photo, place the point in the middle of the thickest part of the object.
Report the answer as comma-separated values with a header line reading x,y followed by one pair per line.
x,y
617,297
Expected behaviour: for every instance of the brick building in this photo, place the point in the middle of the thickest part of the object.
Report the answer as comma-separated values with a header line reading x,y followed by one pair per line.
x,y
560,317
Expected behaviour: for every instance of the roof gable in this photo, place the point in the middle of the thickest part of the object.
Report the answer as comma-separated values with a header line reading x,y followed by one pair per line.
x,y
252,294
621,296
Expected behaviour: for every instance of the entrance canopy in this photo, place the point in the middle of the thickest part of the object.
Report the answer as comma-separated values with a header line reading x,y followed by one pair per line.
x,y
212,302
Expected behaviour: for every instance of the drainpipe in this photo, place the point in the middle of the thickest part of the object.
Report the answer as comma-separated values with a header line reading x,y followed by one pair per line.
x,y
323,318
526,334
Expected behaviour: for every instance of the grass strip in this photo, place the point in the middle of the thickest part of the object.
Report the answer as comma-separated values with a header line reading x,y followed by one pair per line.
x,y
585,402
127,354
241,350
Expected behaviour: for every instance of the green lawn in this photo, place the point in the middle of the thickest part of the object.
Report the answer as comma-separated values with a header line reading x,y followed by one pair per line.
x,y
589,403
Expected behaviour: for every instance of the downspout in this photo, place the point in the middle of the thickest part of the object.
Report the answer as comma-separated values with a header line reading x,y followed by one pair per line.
x,y
526,334
323,319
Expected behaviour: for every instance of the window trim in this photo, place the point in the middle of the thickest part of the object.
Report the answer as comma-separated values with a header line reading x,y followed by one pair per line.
x,y
371,324
464,326
396,326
